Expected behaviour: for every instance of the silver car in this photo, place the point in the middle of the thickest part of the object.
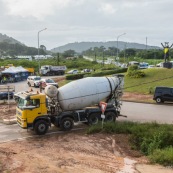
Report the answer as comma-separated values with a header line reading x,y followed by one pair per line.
x,y
45,82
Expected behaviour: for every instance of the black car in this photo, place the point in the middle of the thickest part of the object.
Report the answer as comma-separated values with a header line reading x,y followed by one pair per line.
x,y
162,94
4,95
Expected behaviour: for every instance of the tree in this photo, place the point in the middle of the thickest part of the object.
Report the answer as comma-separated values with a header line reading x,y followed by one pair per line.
x,y
69,53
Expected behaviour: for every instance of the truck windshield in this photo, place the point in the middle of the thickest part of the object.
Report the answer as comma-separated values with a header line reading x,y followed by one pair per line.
x,y
44,68
21,103
25,103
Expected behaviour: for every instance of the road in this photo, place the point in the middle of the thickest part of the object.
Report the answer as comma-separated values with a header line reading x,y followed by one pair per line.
x,y
147,112
134,111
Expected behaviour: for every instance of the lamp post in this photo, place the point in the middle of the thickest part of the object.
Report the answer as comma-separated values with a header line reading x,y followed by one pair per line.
x,y
117,43
39,47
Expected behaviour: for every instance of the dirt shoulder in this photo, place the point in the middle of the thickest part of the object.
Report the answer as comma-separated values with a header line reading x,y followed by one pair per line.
x,y
70,152
73,152
136,97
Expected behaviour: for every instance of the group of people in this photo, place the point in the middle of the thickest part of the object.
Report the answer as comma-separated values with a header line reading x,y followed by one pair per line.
x,y
6,79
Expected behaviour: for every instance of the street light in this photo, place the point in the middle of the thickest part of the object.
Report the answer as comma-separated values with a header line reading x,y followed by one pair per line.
x,y
39,47
117,43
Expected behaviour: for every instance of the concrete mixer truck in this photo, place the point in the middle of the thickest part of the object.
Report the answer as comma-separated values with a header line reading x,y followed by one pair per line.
x,y
77,101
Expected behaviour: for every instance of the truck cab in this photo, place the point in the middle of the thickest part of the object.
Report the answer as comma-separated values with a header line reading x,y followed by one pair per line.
x,y
31,106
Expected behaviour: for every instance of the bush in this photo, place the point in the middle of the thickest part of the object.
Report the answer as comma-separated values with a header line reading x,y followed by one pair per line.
x,y
132,68
136,74
107,72
133,72
152,139
74,76
164,156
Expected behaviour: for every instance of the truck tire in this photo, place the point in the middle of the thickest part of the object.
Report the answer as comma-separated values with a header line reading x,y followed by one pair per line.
x,y
110,117
94,119
158,100
41,127
66,124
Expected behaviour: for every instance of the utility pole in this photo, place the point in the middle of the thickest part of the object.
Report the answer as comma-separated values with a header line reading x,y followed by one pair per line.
x,y
39,49
117,44
57,58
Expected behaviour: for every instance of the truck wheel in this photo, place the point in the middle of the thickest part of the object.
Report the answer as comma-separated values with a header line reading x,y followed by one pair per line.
x,y
94,119
41,127
110,117
66,124
158,100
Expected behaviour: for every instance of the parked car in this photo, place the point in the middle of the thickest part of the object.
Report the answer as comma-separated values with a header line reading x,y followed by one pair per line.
x,y
159,64
86,70
4,95
72,71
45,82
163,94
143,65
151,66
33,81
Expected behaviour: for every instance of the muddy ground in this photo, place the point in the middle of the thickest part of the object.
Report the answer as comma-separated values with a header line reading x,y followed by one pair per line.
x,y
72,152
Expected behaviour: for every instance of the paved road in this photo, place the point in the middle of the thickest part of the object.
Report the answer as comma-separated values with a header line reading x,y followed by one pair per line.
x,y
134,112
148,112
11,132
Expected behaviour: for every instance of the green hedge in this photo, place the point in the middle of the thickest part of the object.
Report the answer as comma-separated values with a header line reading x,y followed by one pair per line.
x,y
97,74
107,72
74,76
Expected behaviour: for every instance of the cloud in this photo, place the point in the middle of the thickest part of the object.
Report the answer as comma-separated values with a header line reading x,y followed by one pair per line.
x,y
85,20
35,8
107,8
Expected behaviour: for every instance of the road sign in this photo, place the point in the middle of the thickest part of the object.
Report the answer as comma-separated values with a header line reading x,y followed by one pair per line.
x,y
103,106
102,116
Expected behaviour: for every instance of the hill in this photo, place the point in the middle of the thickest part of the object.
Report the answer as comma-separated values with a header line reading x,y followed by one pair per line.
x,y
7,39
82,46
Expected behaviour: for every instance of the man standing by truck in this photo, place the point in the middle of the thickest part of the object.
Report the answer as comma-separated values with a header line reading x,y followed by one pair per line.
x,y
40,86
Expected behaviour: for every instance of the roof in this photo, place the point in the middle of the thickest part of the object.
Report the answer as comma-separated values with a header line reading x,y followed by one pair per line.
x,y
14,70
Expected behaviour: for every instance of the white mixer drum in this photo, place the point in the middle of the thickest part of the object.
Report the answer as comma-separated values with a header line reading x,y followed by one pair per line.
x,y
51,91
86,92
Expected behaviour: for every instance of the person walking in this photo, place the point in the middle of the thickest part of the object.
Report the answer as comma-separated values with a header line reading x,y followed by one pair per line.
x,y
4,80
40,86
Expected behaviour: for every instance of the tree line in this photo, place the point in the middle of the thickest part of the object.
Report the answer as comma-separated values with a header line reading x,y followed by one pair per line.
x,y
130,52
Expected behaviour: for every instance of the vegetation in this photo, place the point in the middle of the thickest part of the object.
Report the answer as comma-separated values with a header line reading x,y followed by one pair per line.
x,y
126,54
12,50
152,139
74,76
153,77
107,72
133,72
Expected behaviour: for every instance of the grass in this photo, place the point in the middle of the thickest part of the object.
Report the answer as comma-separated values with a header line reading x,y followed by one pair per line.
x,y
164,157
154,77
152,139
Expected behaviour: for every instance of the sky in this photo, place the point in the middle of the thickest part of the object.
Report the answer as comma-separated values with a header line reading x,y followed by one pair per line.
x,y
67,21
